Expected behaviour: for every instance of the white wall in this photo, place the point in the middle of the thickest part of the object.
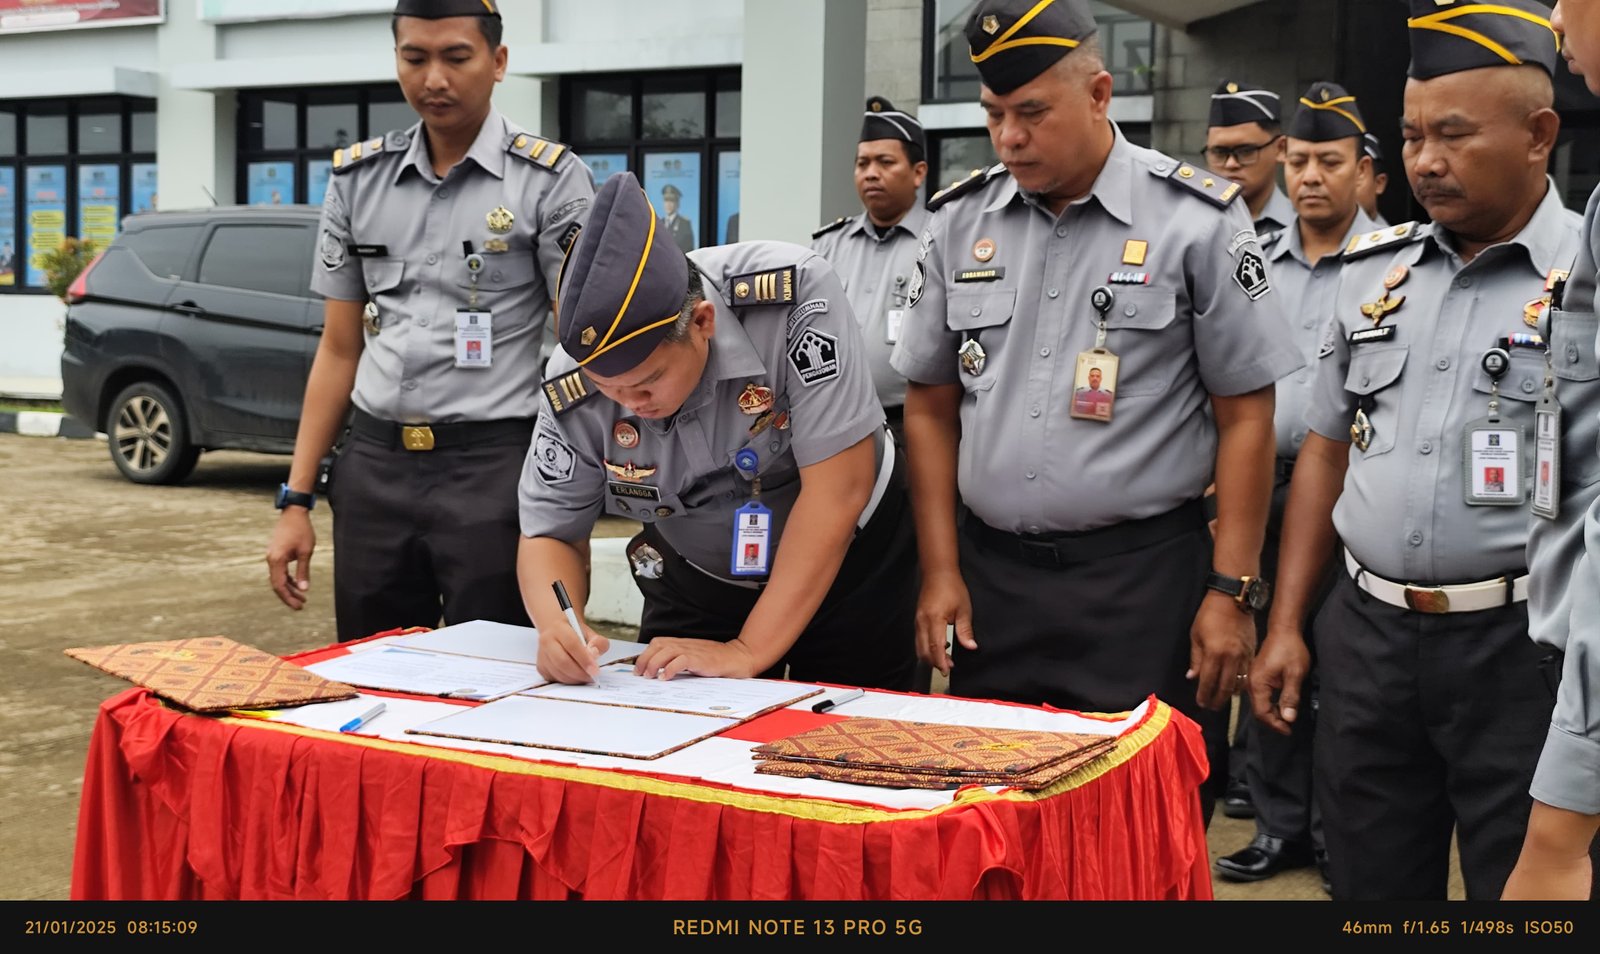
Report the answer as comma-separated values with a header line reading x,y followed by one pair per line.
x,y
30,341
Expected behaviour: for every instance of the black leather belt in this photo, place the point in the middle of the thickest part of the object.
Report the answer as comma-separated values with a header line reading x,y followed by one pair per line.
x,y
1060,549
427,437
1283,469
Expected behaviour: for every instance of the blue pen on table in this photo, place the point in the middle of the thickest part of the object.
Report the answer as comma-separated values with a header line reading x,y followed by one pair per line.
x,y
839,700
363,718
571,614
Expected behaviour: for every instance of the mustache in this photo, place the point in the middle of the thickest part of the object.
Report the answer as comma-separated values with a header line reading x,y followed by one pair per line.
x,y
1436,190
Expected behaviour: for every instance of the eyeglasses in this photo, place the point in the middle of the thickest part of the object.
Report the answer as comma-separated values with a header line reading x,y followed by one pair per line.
x,y
1244,155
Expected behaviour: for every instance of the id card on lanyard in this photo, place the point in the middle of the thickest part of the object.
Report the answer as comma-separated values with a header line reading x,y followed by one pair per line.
x,y
752,540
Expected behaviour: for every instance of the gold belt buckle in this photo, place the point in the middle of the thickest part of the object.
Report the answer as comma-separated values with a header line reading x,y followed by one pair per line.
x,y
1427,601
417,437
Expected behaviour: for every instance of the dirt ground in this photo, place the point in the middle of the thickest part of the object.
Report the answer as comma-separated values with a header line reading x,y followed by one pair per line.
x,y
91,558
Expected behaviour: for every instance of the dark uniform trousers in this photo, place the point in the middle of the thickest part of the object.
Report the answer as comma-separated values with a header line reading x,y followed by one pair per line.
x,y
1093,621
1427,723
1278,767
864,632
420,533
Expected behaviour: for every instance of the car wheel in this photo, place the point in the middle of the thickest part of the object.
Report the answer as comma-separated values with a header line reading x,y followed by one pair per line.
x,y
149,437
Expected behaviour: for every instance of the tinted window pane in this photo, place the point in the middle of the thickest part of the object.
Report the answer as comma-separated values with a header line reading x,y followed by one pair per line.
x,y
8,134
144,132
162,250
673,110
958,156
385,117
728,114
47,135
259,257
602,112
270,124
99,133
954,76
331,126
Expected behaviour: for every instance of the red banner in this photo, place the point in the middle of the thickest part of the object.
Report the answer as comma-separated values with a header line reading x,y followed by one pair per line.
x,y
22,16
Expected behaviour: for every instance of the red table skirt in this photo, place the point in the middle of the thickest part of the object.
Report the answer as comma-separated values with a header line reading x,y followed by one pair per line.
x,y
177,806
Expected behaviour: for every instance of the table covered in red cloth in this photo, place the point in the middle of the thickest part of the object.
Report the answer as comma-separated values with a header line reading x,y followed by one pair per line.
x,y
181,806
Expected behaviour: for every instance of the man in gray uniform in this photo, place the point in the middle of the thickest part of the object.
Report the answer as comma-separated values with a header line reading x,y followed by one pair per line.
x,y
874,252
1375,184
1323,165
1078,575
439,247
1557,860
1244,144
1431,706
720,399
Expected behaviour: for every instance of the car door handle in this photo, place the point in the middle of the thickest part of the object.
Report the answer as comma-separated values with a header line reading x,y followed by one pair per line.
x,y
189,308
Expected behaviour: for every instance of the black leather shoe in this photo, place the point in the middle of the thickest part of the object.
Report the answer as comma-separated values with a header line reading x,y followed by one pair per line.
x,y
1322,869
1236,802
1265,857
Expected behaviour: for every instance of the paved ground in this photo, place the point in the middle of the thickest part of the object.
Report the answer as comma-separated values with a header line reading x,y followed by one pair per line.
x,y
91,558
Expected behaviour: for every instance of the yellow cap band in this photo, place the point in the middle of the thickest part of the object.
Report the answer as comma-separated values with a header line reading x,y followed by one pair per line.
x,y
1332,105
1004,42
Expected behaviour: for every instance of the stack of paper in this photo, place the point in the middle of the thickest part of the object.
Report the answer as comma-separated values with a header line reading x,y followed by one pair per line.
x,y
900,754
213,674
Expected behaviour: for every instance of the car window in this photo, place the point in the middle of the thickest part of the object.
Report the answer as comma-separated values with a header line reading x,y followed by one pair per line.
x,y
268,258
162,250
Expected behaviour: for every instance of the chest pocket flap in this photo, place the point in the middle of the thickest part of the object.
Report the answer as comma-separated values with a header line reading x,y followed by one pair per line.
x,y
1374,367
1572,345
1523,381
969,311
1143,307
501,271
382,275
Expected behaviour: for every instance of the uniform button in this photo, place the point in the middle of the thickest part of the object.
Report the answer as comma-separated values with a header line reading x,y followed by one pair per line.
x,y
442,194
1044,352
1572,354
409,385
1034,412
1054,293
1443,364
1162,167
433,259
1365,380
776,446
494,276
1311,324
1299,436
976,312
1416,538
422,322
728,495
1465,281
1527,385
1029,475
1061,232
1425,447
1131,310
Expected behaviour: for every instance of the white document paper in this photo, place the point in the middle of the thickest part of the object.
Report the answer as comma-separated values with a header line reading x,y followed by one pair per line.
x,y
698,695
576,726
401,669
502,641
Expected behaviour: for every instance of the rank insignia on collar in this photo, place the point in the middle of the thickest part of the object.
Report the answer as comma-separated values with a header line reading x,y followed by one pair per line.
x,y
567,391
629,472
1383,307
755,399
764,288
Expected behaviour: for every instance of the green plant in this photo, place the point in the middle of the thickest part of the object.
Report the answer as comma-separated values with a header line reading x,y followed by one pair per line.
x,y
65,262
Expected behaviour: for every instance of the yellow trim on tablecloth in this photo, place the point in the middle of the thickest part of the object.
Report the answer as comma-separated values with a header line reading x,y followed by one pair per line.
x,y
806,807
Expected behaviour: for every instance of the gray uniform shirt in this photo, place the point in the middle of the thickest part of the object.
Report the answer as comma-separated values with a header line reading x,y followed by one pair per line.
x,y
693,488
1183,325
1306,292
1564,554
1402,511
1276,214
877,276
392,234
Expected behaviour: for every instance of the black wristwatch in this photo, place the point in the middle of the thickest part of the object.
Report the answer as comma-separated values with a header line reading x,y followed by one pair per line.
x,y
293,498
1250,593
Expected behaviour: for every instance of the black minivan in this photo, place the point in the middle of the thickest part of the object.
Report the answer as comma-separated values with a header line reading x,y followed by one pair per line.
x,y
194,331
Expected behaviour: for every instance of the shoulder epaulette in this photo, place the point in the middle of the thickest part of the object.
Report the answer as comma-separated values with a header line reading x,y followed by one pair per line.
x,y
773,286
960,188
345,159
567,391
1392,237
540,152
1209,186
835,224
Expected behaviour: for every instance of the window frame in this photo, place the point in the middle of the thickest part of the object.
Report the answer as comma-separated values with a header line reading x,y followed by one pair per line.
x,y
301,155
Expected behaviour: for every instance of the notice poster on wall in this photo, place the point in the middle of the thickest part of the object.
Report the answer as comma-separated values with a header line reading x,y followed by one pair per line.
x,y
46,218
144,187
318,171
28,16
727,198
672,181
99,203
604,165
270,183
8,229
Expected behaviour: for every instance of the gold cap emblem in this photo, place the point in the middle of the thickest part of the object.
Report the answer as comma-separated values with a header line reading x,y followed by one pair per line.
x,y
588,336
991,23
1233,87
